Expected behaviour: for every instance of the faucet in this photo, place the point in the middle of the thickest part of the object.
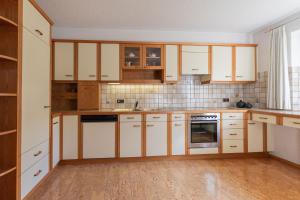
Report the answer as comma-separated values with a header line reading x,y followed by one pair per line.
x,y
136,105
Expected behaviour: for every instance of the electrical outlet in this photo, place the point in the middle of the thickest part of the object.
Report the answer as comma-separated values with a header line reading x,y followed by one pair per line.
x,y
120,101
225,99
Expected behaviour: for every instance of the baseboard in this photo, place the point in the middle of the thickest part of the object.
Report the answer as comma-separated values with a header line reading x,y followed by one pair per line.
x,y
285,161
28,196
164,158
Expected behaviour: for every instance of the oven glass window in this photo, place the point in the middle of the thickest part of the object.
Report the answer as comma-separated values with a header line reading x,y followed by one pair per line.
x,y
204,133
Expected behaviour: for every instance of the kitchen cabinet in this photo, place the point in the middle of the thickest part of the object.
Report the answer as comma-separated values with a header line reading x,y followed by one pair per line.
x,y
222,63
99,139
110,62
64,61
55,141
131,56
88,95
195,60
233,146
178,134
156,135
130,136
70,137
255,136
153,56
172,63
35,91
245,64
87,61
269,119
291,122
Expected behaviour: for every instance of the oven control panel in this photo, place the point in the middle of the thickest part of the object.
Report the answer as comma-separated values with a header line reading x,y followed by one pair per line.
x,y
205,116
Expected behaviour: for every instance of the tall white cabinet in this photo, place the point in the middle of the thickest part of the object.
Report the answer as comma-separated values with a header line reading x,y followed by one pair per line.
x,y
35,98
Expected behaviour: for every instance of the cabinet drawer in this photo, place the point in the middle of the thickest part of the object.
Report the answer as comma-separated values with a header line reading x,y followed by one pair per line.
x,y
230,124
34,175
156,118
34,155
270,119
291,122
233,134
233,146
35,22
178,117
233,116
130,118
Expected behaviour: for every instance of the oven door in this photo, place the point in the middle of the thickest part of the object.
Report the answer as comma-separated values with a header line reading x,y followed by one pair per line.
x,y
204,134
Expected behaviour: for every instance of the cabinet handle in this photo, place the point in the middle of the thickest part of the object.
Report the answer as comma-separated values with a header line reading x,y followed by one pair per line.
x,y
251,123
234,146
39,32
92,76
37,173
55,123
169,76
239,76
105,76
37,154
231,116
263,118
136,126
68,75
232,134
228,76
177,117
177,125
47,106
129,117
232,124
298,123
195,69
155,117
150,125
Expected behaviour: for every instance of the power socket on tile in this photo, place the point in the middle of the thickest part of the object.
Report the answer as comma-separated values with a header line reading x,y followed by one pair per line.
x,y
225,100
120,101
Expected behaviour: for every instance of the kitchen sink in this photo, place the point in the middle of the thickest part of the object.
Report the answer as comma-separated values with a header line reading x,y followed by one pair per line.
x,y
132,110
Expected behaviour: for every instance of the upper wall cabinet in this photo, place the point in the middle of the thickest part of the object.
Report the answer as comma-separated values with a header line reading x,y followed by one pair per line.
x,y
110,62
87,61
195,60
221,63
64,61
245,64
172,63
153,56
131,56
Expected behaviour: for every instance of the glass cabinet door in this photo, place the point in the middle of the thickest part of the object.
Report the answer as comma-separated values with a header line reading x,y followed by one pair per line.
x,y
153,55
132,56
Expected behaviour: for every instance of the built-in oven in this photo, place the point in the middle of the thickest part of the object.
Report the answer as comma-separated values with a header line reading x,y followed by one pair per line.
x,y
204,130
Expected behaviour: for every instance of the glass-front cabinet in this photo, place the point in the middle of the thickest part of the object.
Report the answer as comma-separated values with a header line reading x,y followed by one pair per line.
x,y
153,56
131,56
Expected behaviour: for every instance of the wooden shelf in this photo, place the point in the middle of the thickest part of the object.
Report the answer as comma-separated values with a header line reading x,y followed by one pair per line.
x,y
5,21
5,172
8,94
8,132
142,81
3,57
143,68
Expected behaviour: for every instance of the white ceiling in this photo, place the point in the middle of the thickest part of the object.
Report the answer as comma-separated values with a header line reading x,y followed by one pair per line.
x,y
240,16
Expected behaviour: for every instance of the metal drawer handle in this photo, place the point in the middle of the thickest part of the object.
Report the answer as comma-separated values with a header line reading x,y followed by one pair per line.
x,y
47,106
150,125
233,134
169,76
233,146
136,126
37,173
231,116
298,123
37,154
195,69
155,117
228,76
130,118
263,118
39,32
177,124
68,75
104,75
55,123
251,123
232,124
239,76
176,117
92,75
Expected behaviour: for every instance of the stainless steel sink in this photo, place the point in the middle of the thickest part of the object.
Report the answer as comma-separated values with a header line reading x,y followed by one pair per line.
x,y
132,110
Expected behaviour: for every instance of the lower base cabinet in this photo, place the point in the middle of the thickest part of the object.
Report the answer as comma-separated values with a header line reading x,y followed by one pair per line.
x,y
156,135
130,136
255,136
70,137
55,141
99,140
178,134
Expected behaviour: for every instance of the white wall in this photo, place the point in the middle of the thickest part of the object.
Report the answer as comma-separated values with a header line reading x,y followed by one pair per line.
x,y
150,35
286,141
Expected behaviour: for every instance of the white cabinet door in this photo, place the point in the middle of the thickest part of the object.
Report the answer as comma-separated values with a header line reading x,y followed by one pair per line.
x,y
255,136
131,139
110,62
70,137
194,60
35,91
172,63
64,61
245,64
99,140
178,138
55,141
156,138
221,63
87,61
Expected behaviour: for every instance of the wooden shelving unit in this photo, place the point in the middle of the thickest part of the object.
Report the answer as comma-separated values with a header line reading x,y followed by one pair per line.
x,y
9,98
64,96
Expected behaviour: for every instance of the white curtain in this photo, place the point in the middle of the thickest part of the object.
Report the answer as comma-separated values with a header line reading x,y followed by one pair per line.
x,y
278,93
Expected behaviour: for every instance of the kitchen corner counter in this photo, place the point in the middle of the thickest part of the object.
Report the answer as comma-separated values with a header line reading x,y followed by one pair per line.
x,y
283,113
